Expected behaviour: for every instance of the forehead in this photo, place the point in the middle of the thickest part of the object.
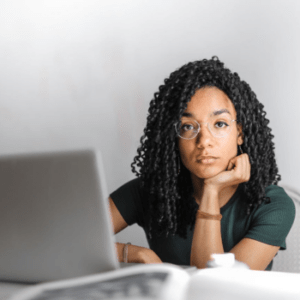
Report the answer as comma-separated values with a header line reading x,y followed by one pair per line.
x,y
208,100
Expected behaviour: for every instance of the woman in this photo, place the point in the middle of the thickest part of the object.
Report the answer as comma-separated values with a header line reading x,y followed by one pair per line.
x,y
208,176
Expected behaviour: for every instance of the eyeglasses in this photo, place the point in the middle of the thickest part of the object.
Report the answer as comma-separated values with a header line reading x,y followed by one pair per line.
x,y
189,128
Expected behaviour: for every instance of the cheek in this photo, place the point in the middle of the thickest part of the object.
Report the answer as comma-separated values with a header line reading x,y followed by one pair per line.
x,y
228,153
185,151
228,146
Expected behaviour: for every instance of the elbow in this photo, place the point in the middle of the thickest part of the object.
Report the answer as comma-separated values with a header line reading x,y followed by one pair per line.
x,y
197,265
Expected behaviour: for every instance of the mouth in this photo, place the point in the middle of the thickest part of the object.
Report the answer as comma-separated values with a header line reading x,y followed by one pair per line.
x,y
209,160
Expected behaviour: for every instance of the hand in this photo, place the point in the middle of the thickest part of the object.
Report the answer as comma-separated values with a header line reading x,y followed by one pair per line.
x,y
148,256
238,171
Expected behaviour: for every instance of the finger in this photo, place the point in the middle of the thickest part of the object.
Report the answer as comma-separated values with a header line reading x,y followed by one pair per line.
x,y
246,168
230,166
232,163
240,168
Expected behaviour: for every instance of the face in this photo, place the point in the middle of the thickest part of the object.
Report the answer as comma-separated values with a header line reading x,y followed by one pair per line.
x,y
201,107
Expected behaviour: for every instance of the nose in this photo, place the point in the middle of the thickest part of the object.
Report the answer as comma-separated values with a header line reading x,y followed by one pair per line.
x,y
204,136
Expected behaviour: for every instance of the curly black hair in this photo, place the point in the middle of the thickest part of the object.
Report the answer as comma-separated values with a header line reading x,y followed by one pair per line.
x,y
171,208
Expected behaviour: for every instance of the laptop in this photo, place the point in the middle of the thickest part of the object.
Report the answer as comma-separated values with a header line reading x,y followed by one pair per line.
x,y
54,217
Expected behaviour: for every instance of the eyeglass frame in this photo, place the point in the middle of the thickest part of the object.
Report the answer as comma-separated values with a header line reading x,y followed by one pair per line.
x,y
198,130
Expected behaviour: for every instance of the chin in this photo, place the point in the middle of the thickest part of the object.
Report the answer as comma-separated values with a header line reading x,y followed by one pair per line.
x,y
207,172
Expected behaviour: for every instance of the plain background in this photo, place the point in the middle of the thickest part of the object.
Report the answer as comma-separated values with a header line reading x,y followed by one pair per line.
x,y
78,74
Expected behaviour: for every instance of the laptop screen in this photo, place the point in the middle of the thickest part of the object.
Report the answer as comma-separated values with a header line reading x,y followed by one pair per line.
x,y
54,218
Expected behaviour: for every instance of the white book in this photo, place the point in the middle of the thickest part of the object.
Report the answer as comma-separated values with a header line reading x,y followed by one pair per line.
x,y
167,281
151,281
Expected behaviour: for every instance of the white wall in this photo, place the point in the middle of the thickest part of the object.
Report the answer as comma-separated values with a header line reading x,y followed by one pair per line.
x,y
76,74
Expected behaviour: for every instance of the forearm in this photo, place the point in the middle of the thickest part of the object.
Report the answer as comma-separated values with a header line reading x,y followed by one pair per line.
x,y
207,237
134,255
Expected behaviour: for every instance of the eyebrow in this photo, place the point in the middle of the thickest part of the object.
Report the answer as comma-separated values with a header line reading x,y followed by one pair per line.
x,y
215,113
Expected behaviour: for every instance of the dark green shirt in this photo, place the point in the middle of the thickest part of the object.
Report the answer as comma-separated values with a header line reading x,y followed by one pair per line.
x,y
267,223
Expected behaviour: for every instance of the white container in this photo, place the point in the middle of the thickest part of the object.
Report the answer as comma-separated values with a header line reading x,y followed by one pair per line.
x,y
225,260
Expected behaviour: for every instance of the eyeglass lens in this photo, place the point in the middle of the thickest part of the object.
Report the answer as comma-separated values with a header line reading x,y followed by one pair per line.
x,y
218,126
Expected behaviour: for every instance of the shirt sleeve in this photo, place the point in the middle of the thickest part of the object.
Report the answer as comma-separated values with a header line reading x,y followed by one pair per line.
x,y
128,200
272,222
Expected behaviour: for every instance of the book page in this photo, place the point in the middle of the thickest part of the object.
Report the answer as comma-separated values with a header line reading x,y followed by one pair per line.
x,y
154,281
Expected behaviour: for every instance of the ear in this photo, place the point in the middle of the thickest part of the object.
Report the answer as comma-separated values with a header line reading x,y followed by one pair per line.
x,y
240,134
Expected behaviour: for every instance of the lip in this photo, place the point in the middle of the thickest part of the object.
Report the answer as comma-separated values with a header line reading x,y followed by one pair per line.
x,y
205,157
207,160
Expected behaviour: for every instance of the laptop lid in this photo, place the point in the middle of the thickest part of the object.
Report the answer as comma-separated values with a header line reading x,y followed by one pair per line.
x,y
54,217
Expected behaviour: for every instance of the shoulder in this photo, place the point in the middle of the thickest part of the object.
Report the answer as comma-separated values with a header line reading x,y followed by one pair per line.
x,y
271,222
279,197
129,200
281,207
131,185
131,189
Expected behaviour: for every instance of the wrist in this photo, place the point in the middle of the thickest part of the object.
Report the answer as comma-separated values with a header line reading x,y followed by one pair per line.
x,y
135,254
203,215
210,202
125,252
143,255
210,191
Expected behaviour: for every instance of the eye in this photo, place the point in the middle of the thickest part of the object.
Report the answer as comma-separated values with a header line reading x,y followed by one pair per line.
x,y
187,127
222,123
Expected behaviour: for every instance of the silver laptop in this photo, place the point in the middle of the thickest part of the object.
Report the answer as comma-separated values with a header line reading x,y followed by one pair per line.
x,y
54,218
